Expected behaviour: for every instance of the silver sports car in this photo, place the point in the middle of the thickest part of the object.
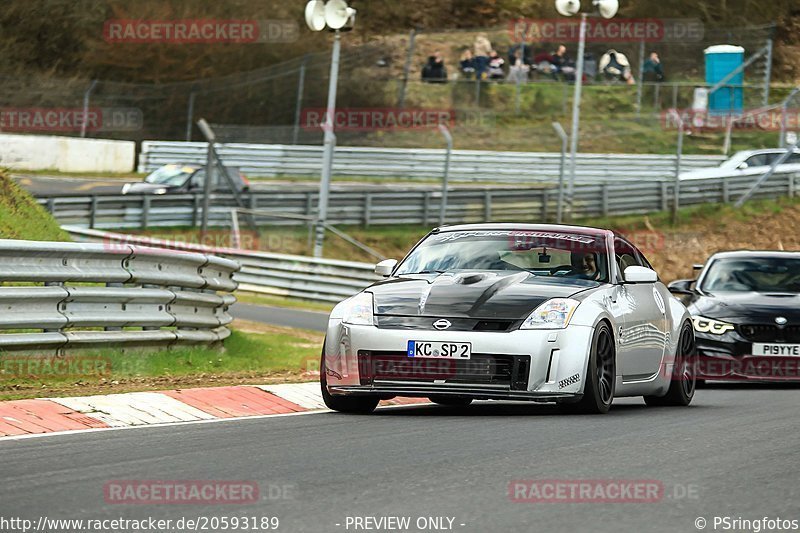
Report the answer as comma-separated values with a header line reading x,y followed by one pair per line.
x,y
562,314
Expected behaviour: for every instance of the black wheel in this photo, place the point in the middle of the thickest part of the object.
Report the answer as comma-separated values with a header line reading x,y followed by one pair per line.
x,y
598,392
344,404
450,401
684,373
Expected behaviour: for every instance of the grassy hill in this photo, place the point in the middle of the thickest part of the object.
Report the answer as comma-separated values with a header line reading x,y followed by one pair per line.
x,y
22,218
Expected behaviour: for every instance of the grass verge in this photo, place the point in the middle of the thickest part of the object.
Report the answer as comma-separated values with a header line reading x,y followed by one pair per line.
x,y
253,354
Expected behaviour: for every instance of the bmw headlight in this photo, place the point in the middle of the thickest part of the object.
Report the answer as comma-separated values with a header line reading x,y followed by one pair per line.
x,y
359,310
709,325
552,314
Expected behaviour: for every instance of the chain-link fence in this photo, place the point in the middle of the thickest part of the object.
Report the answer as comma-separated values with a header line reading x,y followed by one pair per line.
x,y
278,104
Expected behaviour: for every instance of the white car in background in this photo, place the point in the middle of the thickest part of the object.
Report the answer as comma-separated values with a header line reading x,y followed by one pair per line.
x,y
747,163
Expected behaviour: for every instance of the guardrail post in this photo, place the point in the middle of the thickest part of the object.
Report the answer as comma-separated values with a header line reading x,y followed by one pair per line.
x,y
791,186
93,213
487,206
726,192
426,205
195,209
664,196
51,205
59,307
545,201
367,208
145,210
113,328
605,199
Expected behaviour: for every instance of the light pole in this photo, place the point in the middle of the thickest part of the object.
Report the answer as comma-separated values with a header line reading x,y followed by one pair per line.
x,y
607,9
338,17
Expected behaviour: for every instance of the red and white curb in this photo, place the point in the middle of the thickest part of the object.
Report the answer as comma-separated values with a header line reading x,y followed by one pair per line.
x,y
52,415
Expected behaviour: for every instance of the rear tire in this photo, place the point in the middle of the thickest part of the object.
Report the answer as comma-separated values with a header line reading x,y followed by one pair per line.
x,y
450,401
359,405
598,391
683,381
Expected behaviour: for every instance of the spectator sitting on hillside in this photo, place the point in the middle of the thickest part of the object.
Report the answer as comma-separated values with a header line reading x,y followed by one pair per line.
x,y
525,54
483,48
616,66
467,65
653,69
518,72
562,64
496,63
434,71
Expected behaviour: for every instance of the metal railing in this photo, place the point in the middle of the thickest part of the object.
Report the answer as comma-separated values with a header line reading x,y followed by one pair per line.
x,y
272,160
409,207
291,276
63,296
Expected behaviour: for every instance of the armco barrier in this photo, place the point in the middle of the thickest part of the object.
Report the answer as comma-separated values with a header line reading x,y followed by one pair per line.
x,y
521,167
292,276
82,295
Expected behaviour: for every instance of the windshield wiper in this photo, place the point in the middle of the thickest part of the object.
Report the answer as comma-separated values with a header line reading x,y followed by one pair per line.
x,y
426,272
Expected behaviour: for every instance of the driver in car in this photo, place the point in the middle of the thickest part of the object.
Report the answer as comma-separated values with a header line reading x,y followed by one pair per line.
x,y
584,266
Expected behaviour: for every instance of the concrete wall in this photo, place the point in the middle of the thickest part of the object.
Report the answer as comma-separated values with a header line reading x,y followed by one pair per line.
x,y
65,154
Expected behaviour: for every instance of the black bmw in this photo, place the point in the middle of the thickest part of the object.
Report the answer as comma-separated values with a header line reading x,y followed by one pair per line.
x,y
745,308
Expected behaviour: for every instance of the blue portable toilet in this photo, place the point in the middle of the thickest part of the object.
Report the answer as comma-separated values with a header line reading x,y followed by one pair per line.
x,y
721,60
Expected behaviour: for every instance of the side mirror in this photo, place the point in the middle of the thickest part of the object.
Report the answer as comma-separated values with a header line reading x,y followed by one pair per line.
x,y
385,267
681,286
742,165
697,266
638,274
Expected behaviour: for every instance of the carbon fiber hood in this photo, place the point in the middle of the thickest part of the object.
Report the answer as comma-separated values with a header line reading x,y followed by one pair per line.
x,y
488,295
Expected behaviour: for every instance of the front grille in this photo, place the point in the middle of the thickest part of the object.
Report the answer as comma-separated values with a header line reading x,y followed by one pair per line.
x,y
769,333
456,324
506,371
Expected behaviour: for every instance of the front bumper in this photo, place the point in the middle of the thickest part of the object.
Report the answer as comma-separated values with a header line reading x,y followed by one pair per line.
x,y
539,365
729,357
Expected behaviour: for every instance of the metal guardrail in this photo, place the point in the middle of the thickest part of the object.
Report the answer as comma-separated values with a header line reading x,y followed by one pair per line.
x,y
291,276
409,207
58,296
470,165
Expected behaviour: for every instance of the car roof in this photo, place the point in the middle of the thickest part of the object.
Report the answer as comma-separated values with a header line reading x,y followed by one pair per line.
x,y
754,254
747,153
510,226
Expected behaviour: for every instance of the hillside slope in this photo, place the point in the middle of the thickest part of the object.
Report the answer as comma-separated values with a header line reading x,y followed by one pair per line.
x,y
22,218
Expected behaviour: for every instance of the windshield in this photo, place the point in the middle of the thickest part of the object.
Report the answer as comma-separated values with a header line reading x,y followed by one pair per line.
x,y
546,254
762,274
171,175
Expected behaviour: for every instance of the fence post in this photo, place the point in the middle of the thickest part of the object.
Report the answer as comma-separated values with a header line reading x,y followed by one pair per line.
x,y
93,213
487,206
301,82
190,116
605,199
726,192
426,204
86,96
401,98
641,79
367,208
791,186
195,209
768,68
446,175
664,193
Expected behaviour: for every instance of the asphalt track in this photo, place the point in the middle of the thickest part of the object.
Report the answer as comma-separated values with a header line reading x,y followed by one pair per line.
x,y
43,186
281,316
734,452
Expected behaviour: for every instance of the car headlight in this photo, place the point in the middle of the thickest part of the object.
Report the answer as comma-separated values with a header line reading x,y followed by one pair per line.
x,y
709,325
552,314
359,310
160,190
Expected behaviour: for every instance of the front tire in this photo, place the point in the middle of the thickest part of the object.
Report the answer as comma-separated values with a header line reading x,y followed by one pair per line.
x,y
598,392
359,405
684,373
